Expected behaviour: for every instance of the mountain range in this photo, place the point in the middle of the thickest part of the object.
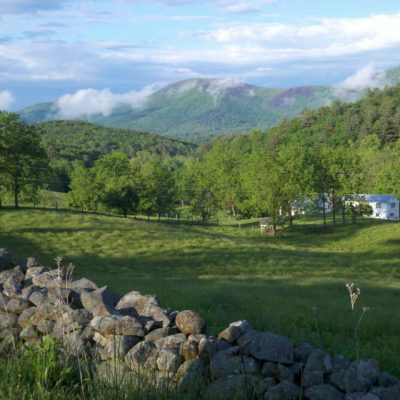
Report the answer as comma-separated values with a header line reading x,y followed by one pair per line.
x,y
198,109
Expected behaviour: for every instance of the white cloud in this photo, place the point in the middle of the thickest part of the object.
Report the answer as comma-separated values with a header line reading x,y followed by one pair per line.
x,y
366,77
6,99
329,34
240,8
218,87
86,102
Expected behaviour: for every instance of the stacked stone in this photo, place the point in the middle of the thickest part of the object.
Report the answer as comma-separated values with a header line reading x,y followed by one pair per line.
x,y
138,339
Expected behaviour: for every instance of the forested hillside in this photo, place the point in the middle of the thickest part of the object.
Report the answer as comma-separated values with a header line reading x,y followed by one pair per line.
x,y
68,142
79,140
376,114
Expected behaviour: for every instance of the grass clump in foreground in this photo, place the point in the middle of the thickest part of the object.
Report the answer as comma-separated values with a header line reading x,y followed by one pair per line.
x,y
42,372
292,285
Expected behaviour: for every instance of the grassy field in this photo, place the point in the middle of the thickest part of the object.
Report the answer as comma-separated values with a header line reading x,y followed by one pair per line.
x,y
292,285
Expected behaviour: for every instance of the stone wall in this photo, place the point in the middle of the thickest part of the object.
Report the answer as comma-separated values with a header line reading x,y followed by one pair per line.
x,y
135,336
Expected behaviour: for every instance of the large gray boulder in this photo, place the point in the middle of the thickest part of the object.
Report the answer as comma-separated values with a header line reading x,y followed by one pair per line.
x,y
230,362
368,368
350,381
234,331
83,285
270,347
143,356
318,364
17,306
387,380
15,272
134,303
171,342
100,301
231,387
208,347
116,347
8,320
26,318
190,376
283,391
169,360
43,296
117,325
391,393
190,322
323,392
73,320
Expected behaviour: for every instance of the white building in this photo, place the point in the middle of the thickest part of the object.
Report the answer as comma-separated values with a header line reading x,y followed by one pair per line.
x,y
384,206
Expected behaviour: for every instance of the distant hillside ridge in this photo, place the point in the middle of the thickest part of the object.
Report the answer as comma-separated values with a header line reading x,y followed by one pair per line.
x,y
196,110
79,140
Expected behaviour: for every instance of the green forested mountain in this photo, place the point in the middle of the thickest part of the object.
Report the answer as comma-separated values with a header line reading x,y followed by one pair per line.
x,y
197,109
78,140
36,113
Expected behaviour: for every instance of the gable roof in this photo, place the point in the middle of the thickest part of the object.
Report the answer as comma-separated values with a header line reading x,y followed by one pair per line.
x,y
380,198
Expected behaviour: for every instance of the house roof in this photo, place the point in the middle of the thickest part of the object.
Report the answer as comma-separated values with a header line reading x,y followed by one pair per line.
x,y
379,198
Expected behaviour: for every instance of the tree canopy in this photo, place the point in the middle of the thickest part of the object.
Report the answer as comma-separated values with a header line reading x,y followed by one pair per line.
x,y
23,160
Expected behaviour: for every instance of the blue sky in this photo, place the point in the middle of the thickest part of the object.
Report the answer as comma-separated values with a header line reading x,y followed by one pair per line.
x,y
125,49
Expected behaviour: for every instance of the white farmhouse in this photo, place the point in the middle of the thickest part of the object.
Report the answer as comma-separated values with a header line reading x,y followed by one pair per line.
x,y
384,206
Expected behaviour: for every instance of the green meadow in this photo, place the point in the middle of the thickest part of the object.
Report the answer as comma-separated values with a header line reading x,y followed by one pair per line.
x,y
293,284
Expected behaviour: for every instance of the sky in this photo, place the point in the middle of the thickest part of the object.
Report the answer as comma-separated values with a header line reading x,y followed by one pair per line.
x,y
100,52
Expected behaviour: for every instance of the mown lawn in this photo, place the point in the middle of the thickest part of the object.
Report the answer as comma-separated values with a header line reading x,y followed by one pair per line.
x,y
292,285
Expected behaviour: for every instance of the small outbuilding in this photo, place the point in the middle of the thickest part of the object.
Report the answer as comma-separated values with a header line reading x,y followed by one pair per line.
x,y
384,206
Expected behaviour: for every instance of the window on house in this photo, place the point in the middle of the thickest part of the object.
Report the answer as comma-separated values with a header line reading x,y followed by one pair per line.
x,y
391,215
378,205
392,205
377,215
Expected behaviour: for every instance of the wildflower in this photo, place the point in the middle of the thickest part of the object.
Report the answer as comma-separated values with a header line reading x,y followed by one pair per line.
x,y
353,294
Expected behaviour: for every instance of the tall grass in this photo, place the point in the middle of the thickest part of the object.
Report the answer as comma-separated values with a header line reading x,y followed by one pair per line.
x,y
40,373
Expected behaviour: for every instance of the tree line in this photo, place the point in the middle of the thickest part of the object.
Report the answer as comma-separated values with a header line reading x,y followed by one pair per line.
x,y
328,155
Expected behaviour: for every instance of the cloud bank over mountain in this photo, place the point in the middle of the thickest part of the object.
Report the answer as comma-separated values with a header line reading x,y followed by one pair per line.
x,y
86,102
365,78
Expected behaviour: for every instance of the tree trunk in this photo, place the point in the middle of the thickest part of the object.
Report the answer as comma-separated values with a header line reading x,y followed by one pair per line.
x,y
343,215
334,207
323,212
16,190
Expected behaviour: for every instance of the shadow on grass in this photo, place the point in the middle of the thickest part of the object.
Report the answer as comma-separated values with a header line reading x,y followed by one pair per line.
x,y
275,289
